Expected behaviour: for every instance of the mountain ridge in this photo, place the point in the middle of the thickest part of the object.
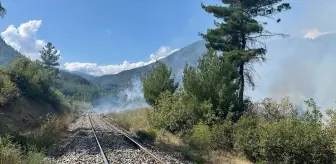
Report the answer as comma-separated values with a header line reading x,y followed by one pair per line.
x,y
176,61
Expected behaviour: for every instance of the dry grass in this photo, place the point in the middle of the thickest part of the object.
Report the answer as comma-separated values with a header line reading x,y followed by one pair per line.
x,y
133,120
137,120
223,157
30,148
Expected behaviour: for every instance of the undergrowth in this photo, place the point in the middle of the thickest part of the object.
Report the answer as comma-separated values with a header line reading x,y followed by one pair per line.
x,y
270,132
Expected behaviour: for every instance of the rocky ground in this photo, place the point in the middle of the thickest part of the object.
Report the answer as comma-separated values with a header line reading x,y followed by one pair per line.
x,y
81,146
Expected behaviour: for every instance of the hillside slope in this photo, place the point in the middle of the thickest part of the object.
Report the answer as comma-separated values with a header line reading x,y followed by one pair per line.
x,y
7,53
124,89
70,84
176,61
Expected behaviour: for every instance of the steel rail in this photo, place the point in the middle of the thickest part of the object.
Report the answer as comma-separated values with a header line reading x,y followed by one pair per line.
x,y
100,148
128,137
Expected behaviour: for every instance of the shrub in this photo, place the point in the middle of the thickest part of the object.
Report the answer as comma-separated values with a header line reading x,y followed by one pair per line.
x,y
32,79
177,112
331,126
156,82
246,137
50,130
9,152
8,89
213,80
295,141
222,136
35,157
200,137
148,135
272,110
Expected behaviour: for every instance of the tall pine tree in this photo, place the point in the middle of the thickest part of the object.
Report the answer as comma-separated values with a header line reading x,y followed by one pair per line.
x,y
2,10
238,34
50,56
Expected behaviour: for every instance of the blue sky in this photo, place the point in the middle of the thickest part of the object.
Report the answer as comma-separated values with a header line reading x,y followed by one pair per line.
x,y
110,32
108,36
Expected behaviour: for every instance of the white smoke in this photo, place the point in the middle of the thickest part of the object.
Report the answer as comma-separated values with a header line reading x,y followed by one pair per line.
x,y
129,98
300,69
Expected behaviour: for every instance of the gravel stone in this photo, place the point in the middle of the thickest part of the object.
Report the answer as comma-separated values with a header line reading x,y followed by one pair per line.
x,y
81,147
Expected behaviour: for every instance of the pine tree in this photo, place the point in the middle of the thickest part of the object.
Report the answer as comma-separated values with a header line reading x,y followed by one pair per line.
x,y
2,10
156,82
238,34
50,56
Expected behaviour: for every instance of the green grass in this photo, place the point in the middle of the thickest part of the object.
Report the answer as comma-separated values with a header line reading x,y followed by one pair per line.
x,y
12,153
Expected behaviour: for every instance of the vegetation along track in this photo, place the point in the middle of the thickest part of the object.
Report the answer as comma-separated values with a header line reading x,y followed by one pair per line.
x,y
95,140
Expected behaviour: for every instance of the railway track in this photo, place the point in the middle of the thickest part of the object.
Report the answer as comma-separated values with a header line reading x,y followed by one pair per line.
x,y
105,158
92,139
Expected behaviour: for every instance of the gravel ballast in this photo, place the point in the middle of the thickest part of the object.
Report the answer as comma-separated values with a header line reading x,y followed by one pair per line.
x,y
81,146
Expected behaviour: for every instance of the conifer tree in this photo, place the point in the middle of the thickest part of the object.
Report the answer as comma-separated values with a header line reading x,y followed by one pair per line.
x,y
50,56
2,10
156,82
238,34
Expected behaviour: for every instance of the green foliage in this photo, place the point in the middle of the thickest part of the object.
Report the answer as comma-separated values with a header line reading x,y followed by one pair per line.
x,y
35,82
200,137
156,82
295,141
9,152
35,157
32,79
237,32
78,91
50,56
46,134
222,136
12,153
147,135
213,80
246,137
2,10
176,112
287,137
8,89
313,115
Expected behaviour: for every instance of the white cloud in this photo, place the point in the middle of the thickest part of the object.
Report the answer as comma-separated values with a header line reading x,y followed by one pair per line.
x,y
95,69
162,52
313,33
23,38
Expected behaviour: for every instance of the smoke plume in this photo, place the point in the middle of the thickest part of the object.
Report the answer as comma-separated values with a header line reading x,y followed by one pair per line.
x,y
129,98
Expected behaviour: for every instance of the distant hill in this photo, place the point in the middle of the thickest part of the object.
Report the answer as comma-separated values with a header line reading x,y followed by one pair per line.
x,y
176,61
7,53
82,74
124,89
